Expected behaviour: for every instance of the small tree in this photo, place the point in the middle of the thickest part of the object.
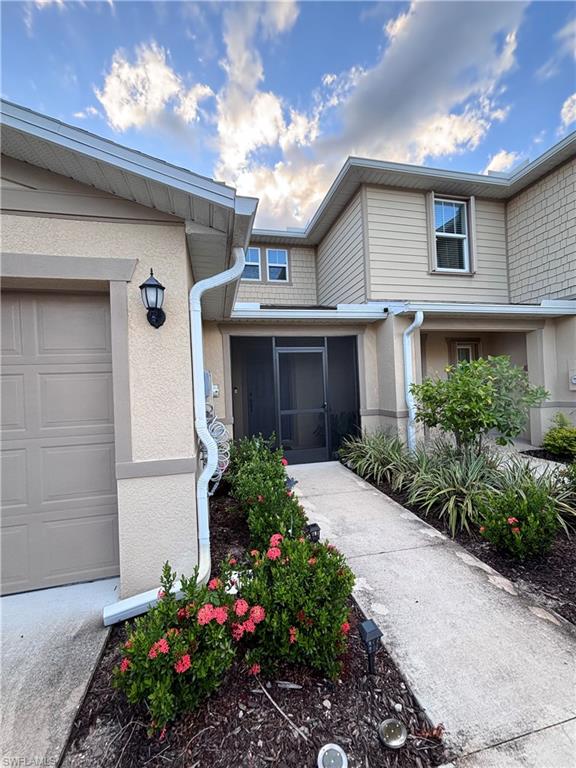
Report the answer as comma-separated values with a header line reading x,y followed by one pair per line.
x,y
477,397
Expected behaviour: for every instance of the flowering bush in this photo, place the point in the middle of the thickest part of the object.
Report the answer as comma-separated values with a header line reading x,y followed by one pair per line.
x,y
260,483
178,653
521,520
300,591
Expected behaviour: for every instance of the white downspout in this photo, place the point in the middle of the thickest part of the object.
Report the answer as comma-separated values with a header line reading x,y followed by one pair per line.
x,y
409,378
137,604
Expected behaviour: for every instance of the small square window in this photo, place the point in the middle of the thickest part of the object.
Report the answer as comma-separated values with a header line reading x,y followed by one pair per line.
x,y
451,235
252,267
277,259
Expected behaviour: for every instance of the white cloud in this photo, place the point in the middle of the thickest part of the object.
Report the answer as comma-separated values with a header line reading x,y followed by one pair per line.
x,y
137,94
395,26
568,113
565,47
502,161
83,114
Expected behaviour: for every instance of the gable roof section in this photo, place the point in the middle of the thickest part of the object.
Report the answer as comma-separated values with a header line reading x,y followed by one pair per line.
x,y
357,171
216,217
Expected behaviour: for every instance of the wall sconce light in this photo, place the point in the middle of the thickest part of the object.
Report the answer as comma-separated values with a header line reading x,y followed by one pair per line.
x,y
370,634
153,298
313,532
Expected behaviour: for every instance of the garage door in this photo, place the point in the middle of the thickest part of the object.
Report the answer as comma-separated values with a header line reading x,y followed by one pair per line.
x,y
59,511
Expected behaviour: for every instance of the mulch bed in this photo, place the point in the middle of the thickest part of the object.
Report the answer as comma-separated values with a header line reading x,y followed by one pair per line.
x,y
540,453
550,579
240,726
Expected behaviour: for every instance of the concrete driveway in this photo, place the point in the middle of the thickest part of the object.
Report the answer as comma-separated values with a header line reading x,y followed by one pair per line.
x,y
51,642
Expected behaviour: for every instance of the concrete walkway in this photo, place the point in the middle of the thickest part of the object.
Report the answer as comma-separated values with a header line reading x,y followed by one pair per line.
x,y
51,642
494,667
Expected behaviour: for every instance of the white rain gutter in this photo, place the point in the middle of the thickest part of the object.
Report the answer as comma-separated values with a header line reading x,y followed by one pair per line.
x,y
362,312
409,378
137,604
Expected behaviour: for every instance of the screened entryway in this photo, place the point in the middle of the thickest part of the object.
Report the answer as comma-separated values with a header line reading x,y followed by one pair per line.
x,y
304,390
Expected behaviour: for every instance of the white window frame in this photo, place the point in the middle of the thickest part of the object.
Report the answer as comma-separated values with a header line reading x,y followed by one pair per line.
x,y
470,346
253,264
268,265
465,237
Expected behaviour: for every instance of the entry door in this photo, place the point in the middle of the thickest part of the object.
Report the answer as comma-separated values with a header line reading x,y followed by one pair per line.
x,y
302,403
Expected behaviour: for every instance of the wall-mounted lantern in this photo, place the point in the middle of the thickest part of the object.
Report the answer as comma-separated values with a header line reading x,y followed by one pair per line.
x,y
153,298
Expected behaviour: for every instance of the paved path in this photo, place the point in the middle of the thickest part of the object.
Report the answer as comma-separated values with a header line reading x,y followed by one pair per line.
x,y
51,642
494,667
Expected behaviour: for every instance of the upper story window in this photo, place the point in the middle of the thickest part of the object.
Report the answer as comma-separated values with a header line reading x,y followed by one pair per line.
x,y
451,234
277,263
252,269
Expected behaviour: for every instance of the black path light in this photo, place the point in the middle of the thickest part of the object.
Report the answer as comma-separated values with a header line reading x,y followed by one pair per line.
x,y
153,298
370,634
313,532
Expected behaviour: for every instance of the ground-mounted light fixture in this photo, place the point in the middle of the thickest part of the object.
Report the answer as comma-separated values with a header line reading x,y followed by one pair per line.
x,y
370,634
332,756
153,297
392,733
313,532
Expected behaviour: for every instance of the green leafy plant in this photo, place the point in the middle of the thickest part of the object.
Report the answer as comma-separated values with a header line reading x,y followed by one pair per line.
x,y
261,484
304,589
450,485
477,397
177,654
379,457
521,520
561,439
246,450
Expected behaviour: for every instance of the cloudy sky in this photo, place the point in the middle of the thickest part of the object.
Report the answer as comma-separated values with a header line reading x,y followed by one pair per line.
x,y
272,97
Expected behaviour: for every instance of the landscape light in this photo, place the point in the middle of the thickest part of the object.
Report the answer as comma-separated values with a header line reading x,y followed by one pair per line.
x,y
370,634
332,756
313,532
392,733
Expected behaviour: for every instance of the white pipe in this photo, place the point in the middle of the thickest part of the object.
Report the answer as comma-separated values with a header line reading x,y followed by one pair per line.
x,y
409,378
137,604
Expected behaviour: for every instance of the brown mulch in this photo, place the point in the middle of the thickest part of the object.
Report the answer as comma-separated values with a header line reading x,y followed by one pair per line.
x,y
239,725
550,579
540,453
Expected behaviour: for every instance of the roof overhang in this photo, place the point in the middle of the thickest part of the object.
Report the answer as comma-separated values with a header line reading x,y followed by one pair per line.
x,y
355,313
545,309
217,219
358,171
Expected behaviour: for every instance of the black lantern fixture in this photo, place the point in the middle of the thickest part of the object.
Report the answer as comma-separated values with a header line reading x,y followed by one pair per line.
x,y
313,532
370,634
153,298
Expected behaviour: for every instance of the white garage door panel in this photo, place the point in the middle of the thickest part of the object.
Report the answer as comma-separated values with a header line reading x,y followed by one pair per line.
x,y
59,512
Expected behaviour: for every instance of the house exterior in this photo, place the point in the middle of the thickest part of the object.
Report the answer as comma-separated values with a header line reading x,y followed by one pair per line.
x,y
308,334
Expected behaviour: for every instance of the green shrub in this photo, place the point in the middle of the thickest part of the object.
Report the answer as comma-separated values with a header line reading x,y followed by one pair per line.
x,y
450,485
260,483
477,397
379,457
521,520
247,449
177,654
304,589
561,439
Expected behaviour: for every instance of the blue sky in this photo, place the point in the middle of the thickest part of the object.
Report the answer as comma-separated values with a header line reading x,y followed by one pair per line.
x,y
272,97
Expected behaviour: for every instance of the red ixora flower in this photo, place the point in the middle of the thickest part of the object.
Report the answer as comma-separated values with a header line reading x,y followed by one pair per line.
x,y
516,531
284,461
254,669
254,553
260,498
183,664
128,644
206,614
249,626
214,584
512,520
124,665
312,561
183,613
345,627
482,528
275,539
161,594
293,634
257,614
160,646
237,631
241,607
232,561
273,553
221,614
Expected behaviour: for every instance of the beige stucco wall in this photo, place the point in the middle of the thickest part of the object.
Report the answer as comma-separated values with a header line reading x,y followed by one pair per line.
x,y
300,288
156,514
399,258
541,223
